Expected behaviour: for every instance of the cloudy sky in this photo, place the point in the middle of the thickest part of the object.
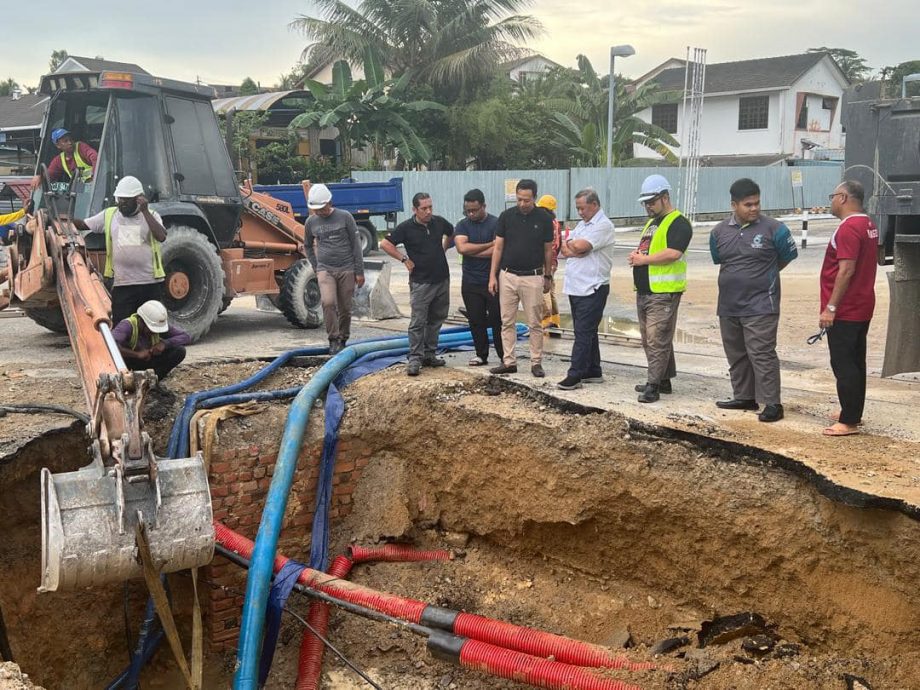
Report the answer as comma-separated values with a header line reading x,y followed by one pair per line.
x,y
224,41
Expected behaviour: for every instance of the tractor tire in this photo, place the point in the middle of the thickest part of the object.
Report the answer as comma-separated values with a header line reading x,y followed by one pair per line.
x,y
51,318
194,280
367,236
224,303
299,300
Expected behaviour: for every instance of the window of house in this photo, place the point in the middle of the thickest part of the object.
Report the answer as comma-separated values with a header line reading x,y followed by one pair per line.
x,y
664,115
802,122
828,103
754,112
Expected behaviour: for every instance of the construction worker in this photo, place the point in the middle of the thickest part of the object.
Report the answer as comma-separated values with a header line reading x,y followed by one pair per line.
x,y
848,302
521,273
751,250
147,340
76,159
589,257
133,234
425,237
659,279
474,237
334,249
550,307
7,219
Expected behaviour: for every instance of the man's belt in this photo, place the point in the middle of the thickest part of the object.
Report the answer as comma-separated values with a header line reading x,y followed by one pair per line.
x,y
531,272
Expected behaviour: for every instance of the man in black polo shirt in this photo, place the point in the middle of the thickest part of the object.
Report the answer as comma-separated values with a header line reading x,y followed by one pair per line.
x,y
523,255
425,237
475,237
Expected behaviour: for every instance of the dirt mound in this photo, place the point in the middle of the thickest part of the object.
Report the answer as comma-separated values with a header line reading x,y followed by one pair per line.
x,y
12,678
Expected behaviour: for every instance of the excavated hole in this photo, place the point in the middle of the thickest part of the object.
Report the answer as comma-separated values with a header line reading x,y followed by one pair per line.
x,y
568,519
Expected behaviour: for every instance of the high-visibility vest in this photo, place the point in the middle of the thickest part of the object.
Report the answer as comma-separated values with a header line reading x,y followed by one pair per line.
x,y
136,332
84,168
109,270
671,277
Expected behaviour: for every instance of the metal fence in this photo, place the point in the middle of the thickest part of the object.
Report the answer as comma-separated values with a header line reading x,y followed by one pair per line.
x,y
618,188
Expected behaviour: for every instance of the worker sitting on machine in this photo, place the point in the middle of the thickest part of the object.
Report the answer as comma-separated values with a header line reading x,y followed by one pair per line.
x,y
147,341
76,159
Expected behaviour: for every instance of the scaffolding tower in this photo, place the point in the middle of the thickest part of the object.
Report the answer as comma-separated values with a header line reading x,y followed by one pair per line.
x,y
690,119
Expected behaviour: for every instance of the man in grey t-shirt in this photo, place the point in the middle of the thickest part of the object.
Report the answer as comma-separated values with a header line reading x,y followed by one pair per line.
x,y
334,250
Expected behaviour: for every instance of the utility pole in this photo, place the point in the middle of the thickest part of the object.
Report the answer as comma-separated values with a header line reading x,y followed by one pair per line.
x,y
621,51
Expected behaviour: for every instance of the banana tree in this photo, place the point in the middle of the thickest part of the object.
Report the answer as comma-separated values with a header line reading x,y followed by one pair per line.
x,y
370,111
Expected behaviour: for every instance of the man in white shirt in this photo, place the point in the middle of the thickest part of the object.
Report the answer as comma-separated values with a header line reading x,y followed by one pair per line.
x,y
589,257
133,233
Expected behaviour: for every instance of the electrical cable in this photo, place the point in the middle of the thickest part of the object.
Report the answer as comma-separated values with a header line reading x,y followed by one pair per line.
x,y
30,408
286,609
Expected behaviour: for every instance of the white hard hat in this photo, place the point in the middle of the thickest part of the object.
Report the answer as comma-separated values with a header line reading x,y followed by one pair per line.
x,y
154,315
319,196
652,186
128,187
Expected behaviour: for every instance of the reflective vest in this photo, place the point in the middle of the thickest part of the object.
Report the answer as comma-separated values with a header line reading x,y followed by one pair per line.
x,y
670,277
109,270
136,332
84,168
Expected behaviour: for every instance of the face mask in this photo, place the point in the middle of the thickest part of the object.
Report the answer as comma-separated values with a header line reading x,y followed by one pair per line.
x,y
128,207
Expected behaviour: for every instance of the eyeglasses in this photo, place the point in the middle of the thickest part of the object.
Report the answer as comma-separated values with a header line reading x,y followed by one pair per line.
x,y
830,197
472,211
649,202
812,339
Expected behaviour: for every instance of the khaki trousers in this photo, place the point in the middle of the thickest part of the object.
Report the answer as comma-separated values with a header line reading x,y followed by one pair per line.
x,y
336,292
528,292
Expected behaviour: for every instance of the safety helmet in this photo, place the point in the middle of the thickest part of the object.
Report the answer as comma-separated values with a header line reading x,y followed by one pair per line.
x,y
154,315
58,134
319,196
547,201
128,187
652,186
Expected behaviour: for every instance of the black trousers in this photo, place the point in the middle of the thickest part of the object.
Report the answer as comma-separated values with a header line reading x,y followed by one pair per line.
x,y
587,311
161,364
483,312
846,341
127,298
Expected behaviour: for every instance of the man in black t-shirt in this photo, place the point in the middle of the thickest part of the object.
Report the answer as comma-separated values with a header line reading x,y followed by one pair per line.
x,y
660,278
522,270
425,237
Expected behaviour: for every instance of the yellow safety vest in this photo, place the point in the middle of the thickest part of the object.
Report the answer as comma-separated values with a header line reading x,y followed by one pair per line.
x,y
84,168
136,332
109,270
670,277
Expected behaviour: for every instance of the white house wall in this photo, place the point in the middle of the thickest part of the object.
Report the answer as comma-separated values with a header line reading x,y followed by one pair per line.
x,y
821,80
719,133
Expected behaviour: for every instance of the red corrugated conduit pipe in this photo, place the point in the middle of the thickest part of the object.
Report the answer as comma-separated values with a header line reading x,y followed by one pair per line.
x,y
515,637
312,649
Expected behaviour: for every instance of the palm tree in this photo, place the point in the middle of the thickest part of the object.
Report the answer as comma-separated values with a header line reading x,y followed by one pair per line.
x,y
443,43
581,115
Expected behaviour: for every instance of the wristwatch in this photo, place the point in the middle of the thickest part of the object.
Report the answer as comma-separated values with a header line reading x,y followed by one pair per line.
x,y
832,308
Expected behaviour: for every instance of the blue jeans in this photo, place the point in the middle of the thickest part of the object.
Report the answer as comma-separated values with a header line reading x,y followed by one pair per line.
x,y
586,317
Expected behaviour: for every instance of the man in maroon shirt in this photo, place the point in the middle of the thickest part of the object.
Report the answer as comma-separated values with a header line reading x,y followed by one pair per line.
x,y
848,301
76,159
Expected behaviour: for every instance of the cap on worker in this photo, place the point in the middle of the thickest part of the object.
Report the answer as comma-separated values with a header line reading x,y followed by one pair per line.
x,y
319,196
547,201
128,187
652,186
154,315
58,134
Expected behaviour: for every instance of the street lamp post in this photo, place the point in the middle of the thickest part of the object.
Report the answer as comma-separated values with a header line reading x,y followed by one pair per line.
x,y
615,51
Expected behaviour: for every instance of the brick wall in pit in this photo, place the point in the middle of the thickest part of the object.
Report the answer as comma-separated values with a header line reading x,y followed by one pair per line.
x,y
239,479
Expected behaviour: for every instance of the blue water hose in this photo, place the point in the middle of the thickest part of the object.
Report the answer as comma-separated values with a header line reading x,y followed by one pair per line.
x,y
266,542
179,434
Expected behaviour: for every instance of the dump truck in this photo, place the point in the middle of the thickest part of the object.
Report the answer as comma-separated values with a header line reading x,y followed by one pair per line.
x,y
883,153
364,200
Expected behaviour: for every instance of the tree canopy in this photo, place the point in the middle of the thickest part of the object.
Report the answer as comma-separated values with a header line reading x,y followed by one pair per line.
x,y
57,57
853,66
8,86
453,44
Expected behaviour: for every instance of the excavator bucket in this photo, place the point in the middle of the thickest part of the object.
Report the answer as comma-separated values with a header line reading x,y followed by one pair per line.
x,y
89,518
373,300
